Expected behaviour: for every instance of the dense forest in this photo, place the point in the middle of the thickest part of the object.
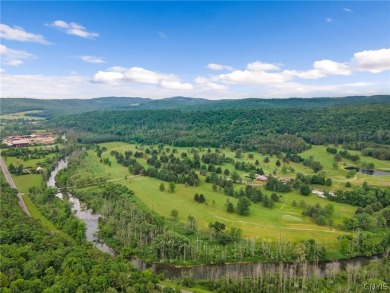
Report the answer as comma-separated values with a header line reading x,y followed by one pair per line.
x,y
34,259
262,130
64,107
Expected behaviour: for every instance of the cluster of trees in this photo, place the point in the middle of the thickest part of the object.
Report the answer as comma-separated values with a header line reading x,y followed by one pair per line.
x,y
315,165
345,154
166,168
29,153
379,152
199,198
275,184
362,196
215,158
233,235
321,215
248,167
16,170
319,179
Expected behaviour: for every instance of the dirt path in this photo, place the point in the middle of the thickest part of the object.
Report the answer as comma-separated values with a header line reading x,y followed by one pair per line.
x,y
11,182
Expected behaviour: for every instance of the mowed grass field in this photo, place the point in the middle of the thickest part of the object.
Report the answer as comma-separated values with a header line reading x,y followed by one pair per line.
x,y
22,115
284,220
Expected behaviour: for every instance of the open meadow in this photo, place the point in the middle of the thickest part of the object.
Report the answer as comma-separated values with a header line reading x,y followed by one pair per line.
x,y
285,220
23,115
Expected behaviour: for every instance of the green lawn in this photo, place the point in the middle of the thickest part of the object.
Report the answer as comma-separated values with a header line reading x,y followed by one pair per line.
x,y
284,220
24,182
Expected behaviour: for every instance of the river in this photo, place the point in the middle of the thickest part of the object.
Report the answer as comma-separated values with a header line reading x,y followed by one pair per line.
x,y
88,216
206,271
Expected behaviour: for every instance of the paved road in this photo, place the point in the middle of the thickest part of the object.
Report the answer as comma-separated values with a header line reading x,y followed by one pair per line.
x,y
11,182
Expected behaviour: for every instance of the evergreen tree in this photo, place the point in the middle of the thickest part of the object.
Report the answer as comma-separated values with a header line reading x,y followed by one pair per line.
x,y
243,205
162,187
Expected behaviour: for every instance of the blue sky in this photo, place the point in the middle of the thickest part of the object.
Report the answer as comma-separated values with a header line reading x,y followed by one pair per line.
x,y
265,49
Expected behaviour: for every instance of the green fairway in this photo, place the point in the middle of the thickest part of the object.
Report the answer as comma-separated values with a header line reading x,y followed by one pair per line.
x,y
284,220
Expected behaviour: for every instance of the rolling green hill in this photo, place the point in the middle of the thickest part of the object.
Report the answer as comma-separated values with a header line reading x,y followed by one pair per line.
x,y
69,106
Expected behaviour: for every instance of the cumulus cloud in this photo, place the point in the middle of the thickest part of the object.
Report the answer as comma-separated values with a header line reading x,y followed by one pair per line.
x,y
92,59
374,61
176,85
17,33
138,75
218,67
107,77
72,28
203,83
271,78
321,69
13,57
256,73
260,66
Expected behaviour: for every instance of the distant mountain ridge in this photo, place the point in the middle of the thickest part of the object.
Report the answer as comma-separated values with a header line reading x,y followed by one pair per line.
x,y
56,107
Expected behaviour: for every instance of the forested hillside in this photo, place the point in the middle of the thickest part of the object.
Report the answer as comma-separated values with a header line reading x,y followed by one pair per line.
x,y
263,130
34,259
63,107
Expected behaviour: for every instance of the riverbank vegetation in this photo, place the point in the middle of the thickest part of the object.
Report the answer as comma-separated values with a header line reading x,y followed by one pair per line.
x,y
35,259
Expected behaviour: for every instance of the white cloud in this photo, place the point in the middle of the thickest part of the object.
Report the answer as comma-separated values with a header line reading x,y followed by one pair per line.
x,y
137,75
176,85
374,61
17,33
322,69
2,70
107,77
329,67
255,80
15,62
218,67
203,83
329,19
76,86
73,28
13,57
92,59
260,66
347,10
308,74
251,77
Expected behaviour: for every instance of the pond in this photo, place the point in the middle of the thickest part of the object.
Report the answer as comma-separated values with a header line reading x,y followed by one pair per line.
x,y
368,171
